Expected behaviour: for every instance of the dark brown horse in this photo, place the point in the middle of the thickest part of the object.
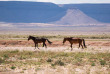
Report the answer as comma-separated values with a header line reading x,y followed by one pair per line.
x,y
37,40
74,40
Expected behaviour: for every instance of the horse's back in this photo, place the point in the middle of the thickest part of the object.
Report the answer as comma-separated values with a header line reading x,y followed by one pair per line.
x,y
76,40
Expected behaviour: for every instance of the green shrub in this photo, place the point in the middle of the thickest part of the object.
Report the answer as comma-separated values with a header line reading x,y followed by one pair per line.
x,y
59,62
30,53
5,56
102,62
22,57
15,51
92,64
13,67
52,64
1,60
49,60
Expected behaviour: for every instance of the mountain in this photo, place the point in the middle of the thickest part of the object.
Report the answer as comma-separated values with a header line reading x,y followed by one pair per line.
x,y
28,12
75,17
100,12
41,12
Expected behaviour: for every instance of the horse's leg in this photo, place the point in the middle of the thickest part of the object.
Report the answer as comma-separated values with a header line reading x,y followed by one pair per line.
x,y
37,45
71,47
45,45
79,45
82,45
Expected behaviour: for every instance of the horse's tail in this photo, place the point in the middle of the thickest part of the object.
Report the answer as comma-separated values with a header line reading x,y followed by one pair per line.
x,y
84,43
49,41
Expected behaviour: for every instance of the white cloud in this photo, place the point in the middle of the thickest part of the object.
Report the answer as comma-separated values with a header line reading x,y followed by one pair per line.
x,y
66,1
6,25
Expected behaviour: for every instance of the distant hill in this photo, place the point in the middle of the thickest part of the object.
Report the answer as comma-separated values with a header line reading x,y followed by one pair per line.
x,y
41,12
100,12
75,17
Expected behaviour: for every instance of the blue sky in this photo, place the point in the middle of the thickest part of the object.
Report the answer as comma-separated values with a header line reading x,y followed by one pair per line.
x,y
66,1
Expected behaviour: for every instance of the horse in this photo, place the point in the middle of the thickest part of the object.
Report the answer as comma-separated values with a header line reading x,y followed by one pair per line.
x,y
37,40
75,40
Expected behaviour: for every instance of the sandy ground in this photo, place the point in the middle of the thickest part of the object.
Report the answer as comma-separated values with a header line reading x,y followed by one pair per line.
x,y
92,46
90,49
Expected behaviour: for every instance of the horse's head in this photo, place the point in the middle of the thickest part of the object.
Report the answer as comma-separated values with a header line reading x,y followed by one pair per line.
x,y
30,37
64,40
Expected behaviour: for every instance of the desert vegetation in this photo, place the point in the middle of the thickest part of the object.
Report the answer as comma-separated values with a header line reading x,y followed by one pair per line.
x,y
37,60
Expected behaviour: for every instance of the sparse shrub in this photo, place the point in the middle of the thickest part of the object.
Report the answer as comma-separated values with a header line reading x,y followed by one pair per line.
x,y
78,59
22,72
30,53
37,69
92,64
102,62
59,62
1,60
64,54
22,57
24,69
52,64
41,60
49,60
13,67
15,51
5,56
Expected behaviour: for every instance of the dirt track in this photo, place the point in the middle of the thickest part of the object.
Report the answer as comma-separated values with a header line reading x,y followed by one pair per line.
x,y
92,46
24,43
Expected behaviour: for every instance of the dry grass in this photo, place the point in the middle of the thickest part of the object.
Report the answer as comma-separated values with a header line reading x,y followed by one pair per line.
x,y
13,60
54,36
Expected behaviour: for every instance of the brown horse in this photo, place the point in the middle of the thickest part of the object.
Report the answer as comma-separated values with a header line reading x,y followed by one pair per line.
x,y
37,40
74,40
